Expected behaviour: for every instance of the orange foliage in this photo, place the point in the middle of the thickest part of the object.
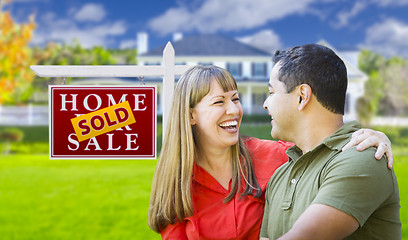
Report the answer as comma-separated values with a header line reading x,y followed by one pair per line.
x,y
15,56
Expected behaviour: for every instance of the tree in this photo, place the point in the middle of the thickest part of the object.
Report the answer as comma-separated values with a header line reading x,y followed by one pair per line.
x,y
69,54
365,110
367,106
370,62
125,56
395,75
15,58
386,90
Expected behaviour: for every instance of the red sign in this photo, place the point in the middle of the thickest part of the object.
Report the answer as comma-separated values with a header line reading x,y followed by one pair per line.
x,y
103,115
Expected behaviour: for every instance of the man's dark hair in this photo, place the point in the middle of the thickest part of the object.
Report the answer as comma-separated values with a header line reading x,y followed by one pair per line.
x,y
320,68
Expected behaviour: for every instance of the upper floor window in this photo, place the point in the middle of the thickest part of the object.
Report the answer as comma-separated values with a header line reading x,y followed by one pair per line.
x,y
259,69
235,69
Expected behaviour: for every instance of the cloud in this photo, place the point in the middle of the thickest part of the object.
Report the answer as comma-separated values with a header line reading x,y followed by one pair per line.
x,y
343,17
90,12
58,29
266,40
390,2
128,43
227,15
388,38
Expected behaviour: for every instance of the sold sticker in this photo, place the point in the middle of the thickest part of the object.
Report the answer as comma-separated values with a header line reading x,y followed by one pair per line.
x,y
102,121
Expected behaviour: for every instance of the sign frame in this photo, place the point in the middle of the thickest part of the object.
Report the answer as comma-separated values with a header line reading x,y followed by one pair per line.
x,y
52,125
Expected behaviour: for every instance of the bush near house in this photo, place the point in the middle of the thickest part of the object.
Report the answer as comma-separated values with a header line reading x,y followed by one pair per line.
x,y
35,139
10,135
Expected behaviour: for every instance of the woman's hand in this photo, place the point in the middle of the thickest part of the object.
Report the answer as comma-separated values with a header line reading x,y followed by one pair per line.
x,y
365,138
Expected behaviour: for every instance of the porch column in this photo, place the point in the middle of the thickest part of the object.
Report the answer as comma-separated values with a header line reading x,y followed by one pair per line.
x,y
249,99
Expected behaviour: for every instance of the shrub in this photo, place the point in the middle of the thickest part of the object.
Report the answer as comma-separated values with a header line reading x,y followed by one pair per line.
x,y
8,135
11,135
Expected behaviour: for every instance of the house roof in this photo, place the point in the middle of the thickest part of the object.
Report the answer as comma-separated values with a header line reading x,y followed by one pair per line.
x,y
209,45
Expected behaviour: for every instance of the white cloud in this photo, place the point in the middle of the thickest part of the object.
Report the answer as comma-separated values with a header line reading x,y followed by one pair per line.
x,y
390,2
128,43
266,40
174,19
91,12
343,17
52,28
388,38
227,15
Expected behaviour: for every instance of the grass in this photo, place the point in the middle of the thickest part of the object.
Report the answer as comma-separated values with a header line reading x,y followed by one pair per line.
x,y
50,199
95,199
401,171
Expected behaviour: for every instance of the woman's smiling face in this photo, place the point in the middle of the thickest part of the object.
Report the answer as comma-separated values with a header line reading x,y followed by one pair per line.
x,y
217,117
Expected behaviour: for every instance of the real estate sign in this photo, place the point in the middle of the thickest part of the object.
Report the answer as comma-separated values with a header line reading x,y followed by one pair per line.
x,y
102,122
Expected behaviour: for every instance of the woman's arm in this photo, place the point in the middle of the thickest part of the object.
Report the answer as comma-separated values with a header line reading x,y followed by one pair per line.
x,y
365,138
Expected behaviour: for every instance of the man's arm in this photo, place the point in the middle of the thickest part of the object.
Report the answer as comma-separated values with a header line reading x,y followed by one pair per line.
x,y
322,222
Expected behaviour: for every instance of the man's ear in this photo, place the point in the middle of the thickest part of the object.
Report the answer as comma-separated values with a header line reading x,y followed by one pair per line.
x,y
304,95
193,120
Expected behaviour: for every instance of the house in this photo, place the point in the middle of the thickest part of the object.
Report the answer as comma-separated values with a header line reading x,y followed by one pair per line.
x,y
250,67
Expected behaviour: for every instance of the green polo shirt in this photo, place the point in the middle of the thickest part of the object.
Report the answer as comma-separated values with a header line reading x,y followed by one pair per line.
x,y
351,181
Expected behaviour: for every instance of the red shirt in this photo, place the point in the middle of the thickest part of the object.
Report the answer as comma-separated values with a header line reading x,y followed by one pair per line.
x,y
240,218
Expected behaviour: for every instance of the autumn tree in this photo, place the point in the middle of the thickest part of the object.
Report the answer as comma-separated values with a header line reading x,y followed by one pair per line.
x,y
15,58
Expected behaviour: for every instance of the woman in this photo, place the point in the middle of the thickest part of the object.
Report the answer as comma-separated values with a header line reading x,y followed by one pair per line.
x,y
209,182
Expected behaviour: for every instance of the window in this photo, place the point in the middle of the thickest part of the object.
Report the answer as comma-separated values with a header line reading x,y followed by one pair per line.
x,y
258,69
235,69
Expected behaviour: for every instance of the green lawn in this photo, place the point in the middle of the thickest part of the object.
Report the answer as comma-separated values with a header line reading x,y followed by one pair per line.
x,y
98,199
53,199
401,170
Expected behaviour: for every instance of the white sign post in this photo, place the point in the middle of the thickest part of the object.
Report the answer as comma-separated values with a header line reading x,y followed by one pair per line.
x,y
167,70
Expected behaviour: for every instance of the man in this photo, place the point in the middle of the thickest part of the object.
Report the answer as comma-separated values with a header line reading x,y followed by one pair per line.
x,y
322,192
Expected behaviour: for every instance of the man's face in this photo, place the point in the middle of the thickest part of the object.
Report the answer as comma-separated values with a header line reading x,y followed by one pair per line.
x,y
281,107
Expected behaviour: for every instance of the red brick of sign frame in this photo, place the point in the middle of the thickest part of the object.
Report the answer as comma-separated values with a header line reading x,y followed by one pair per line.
x,y
136,141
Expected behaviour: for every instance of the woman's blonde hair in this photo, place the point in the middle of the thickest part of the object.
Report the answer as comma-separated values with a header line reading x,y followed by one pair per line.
x,y
170,198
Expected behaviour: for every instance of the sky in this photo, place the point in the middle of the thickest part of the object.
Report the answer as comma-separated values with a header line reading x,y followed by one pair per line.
x,y
377,25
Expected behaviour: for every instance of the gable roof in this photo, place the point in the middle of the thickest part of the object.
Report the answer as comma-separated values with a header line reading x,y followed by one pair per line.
x,y
209,45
